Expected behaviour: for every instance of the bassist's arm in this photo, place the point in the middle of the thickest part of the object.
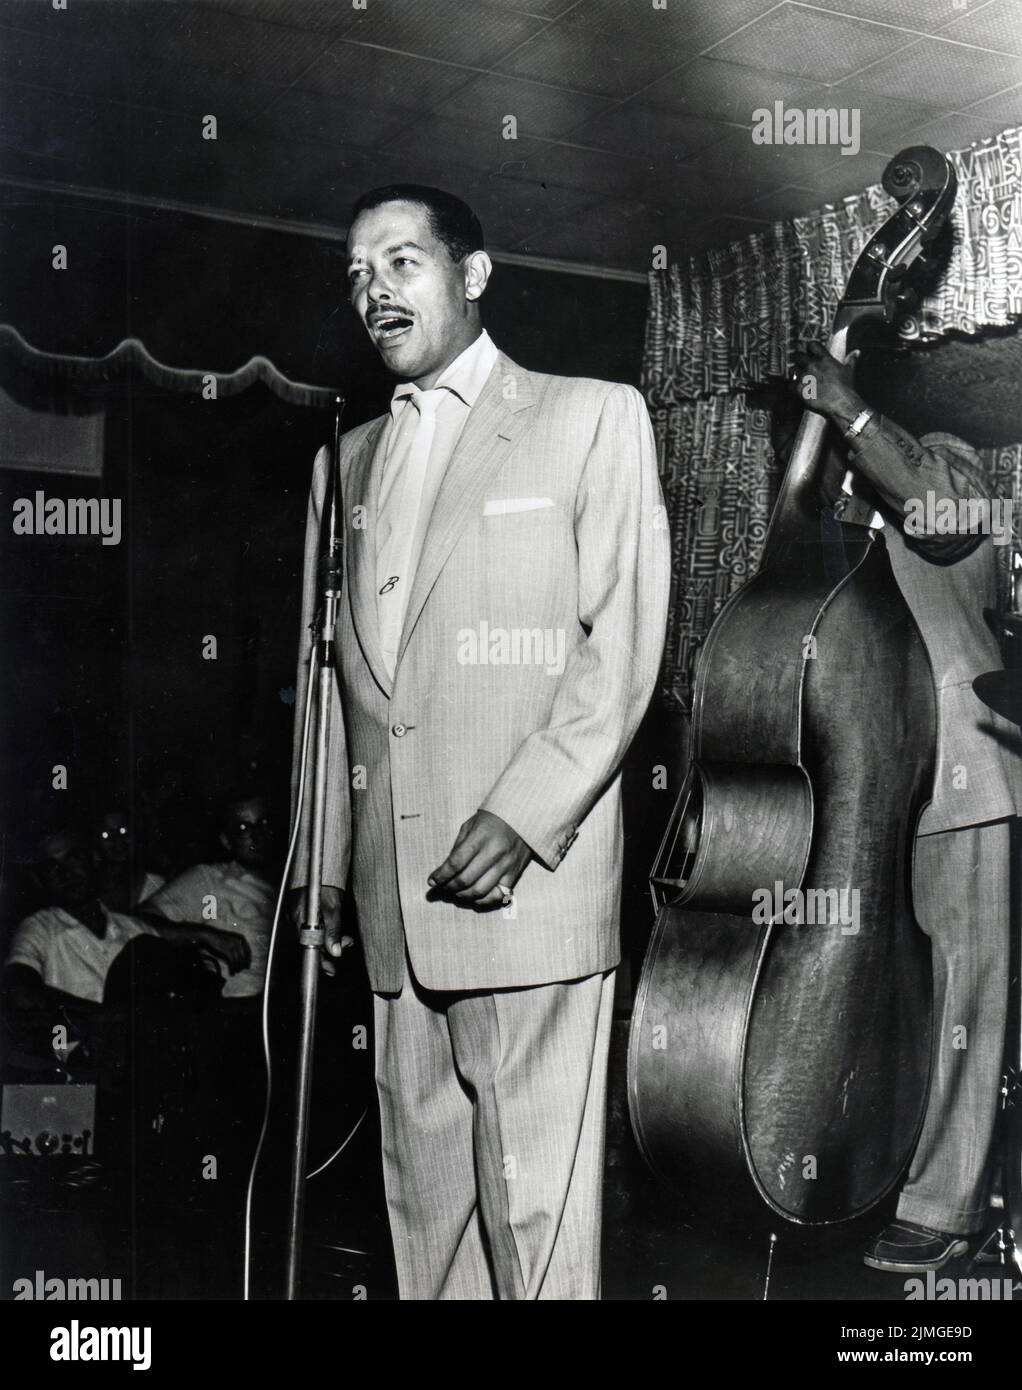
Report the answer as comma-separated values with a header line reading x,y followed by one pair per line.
x,y
920,481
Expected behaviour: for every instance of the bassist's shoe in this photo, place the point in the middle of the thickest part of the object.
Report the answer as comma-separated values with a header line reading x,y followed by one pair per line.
x,y
905,1248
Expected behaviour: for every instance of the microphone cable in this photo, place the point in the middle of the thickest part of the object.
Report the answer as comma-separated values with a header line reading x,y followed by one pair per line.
x,y
267,1056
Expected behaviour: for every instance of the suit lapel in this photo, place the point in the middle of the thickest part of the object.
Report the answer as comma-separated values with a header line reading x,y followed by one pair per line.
x,y
364,490
493,424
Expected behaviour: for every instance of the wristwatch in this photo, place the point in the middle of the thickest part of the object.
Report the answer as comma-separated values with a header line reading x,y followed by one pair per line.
x,y
858,424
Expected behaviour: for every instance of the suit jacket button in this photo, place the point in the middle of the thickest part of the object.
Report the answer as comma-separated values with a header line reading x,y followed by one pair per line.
x,y
399,731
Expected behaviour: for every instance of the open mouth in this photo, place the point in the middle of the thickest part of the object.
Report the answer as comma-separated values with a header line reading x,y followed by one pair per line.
x,y
388,327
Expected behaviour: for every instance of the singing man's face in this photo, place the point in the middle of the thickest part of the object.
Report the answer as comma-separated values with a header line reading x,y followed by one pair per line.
x,y
417,303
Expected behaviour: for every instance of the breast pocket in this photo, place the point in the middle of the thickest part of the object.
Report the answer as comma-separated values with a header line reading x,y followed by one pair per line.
x,y
524,535
512,506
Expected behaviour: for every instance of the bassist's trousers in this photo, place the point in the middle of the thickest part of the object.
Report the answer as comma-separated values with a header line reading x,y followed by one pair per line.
x,y
963,903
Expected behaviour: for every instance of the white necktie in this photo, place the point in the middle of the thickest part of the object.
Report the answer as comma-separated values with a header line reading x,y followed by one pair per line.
x,y
397,518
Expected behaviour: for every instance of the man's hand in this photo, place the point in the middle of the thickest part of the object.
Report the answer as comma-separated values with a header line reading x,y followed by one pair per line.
x,y
330,902
230,946
825,385
487,858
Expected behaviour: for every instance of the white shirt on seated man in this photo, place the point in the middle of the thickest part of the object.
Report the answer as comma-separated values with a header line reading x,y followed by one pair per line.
x,y
236,895
70,944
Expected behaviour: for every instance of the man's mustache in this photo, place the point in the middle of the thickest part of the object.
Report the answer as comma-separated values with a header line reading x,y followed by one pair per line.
x,y
392,311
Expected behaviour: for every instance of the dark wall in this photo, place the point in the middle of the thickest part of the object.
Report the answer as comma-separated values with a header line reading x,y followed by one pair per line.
x,y
209,295
107,672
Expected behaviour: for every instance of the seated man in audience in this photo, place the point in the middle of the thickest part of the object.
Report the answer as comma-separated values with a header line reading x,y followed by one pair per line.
x,y
236,894
124,882
61,955
68,946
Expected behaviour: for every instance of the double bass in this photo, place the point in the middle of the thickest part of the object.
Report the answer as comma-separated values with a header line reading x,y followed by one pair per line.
x,y
779,1052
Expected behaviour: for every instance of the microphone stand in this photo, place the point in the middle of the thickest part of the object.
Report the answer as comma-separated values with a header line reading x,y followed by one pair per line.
x,y
311,935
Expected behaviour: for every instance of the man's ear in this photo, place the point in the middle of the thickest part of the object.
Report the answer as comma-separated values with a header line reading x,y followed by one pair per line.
x,y
478,268
224,841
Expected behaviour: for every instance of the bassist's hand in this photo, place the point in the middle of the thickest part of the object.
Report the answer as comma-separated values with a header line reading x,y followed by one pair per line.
x,y
825,385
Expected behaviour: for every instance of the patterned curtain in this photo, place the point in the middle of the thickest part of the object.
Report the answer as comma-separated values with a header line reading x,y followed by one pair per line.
x,y
728,321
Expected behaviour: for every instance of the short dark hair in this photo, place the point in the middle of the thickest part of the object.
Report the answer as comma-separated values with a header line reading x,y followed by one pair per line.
x,y
59,829
242,791
452,222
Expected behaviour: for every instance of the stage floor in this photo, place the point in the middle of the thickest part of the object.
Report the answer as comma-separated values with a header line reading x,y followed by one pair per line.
x,y
172,1236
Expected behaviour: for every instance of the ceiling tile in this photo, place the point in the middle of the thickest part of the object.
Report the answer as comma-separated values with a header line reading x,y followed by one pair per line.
x,y
143,72
614,232
919,15
438,139
282,178
350,73
99,22
198,92
546,9
847,176
809,43
885,123
687,28
571,53
997,25
513,209
1002,110
477,34
628,137
38,60
181,37
696,193
599,172
958,131
724,91
958,73
777,165
651,132
384,167
539,109
327,16
312,116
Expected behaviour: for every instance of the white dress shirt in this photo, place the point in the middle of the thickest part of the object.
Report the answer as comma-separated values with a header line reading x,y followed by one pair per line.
x,y
66,955
417,444
243,902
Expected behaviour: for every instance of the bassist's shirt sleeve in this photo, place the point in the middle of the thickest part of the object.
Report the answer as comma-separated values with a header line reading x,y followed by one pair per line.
x,y
914,477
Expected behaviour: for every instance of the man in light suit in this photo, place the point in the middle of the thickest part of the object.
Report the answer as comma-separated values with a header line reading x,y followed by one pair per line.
x,y
500,631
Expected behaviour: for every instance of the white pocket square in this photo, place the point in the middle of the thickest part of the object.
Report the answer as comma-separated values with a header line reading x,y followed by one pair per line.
x,y
503,505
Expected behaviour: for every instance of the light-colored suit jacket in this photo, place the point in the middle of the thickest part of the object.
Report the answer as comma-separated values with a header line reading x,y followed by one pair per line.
x,y
978,775
529,652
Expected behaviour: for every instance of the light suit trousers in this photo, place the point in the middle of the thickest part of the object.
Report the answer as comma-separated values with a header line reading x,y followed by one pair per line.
x,y
492,1110
963,903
